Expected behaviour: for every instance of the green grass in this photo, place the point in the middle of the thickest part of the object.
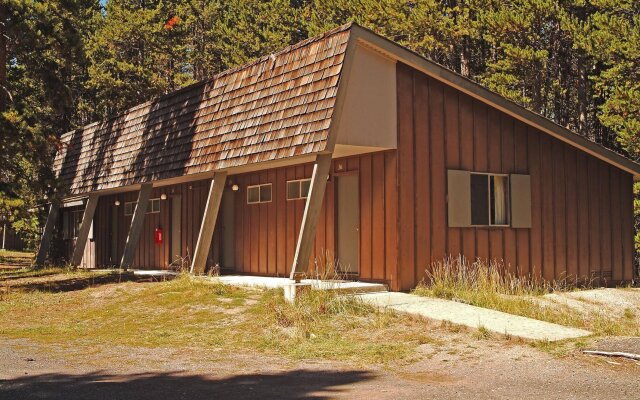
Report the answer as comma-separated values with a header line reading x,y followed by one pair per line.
x,y
188,312
491,285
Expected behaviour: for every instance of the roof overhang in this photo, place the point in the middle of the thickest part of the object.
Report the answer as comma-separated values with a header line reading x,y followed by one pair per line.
x,y
473,89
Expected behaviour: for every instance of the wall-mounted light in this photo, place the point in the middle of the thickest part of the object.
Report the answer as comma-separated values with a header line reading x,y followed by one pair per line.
x,y
339,167
163,196
235,187
116,203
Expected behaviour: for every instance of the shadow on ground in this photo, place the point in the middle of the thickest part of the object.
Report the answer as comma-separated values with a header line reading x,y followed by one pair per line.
x,y
297,384
80,283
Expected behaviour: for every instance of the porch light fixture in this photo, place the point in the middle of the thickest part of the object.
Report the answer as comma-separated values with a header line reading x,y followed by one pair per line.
x,y
116,203
163,196
235,187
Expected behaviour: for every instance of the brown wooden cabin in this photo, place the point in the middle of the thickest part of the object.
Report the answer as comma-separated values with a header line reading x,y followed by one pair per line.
x,y
344,146
9,238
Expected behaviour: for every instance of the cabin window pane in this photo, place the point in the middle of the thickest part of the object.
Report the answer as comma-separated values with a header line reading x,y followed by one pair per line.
x,y
489,199
498,187
253,194
76,220
306,184
293,190
128,207
265,193
479,200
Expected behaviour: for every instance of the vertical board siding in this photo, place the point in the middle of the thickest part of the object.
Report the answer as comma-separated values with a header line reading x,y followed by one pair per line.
x,y
581,206
266,234
421,177
406,183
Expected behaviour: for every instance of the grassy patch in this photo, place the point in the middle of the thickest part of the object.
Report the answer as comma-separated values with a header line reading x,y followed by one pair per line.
x,y
491,285
15,259
206,314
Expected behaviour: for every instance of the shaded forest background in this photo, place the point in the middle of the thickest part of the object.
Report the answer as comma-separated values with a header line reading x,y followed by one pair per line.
x,y
66,63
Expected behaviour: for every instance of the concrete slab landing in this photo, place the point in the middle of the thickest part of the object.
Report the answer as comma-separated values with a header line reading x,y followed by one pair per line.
x,y
472,316
269,282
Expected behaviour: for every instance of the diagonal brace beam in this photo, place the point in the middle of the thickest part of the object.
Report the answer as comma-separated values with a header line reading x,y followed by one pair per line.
x,y
208,223
47,234
85,227
136,226
312,208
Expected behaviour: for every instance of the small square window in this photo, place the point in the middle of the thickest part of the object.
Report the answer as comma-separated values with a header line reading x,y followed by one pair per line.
x,y
298,189
259,194
153,206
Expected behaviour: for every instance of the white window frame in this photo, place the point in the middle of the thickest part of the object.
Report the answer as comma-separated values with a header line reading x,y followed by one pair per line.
x,y
260,186
507,191
150,207
299,182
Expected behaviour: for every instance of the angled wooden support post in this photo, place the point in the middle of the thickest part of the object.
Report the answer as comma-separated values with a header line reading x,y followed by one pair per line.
x,y
85,227
208,223
136,225
47,234
312,208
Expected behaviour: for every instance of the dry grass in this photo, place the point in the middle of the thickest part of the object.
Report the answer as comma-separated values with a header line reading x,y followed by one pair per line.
x,y
188,312
491,285
15,259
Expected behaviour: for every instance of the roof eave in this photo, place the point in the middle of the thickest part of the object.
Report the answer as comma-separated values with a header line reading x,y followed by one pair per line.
x,y
479,92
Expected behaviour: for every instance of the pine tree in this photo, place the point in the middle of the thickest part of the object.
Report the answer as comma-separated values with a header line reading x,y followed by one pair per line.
x,y
43,54
611,34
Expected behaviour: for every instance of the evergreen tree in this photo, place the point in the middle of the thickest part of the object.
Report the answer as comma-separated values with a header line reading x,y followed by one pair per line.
x,y
42,89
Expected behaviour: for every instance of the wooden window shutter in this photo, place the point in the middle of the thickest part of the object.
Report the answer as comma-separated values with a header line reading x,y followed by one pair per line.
x,y
459,198
520,201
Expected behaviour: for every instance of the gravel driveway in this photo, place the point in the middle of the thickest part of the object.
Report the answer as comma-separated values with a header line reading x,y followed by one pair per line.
x,y
481,370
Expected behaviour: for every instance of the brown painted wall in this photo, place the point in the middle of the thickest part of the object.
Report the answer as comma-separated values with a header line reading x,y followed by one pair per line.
x,y
266,234
581,206
12,241
269,231
148,254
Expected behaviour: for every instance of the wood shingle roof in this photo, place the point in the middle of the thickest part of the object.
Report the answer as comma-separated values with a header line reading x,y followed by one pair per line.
x,y
276,107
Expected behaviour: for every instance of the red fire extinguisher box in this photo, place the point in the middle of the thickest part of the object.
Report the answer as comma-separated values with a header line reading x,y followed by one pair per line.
x,y
157,236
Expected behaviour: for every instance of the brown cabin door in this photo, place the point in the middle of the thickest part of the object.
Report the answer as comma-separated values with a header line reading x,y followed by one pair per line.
x,y
348,223
227,232
176,231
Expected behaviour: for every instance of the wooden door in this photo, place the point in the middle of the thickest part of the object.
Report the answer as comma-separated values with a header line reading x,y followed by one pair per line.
x,y
348,223
226,229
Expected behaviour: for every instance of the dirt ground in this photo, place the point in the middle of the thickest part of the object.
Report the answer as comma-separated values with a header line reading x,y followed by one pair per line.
x,y
456,363
482,370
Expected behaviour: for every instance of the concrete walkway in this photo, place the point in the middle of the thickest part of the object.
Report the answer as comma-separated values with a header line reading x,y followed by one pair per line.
x,y
472,316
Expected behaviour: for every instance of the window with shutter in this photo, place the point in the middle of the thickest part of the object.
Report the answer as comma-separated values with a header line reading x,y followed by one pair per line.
x,y
484,199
